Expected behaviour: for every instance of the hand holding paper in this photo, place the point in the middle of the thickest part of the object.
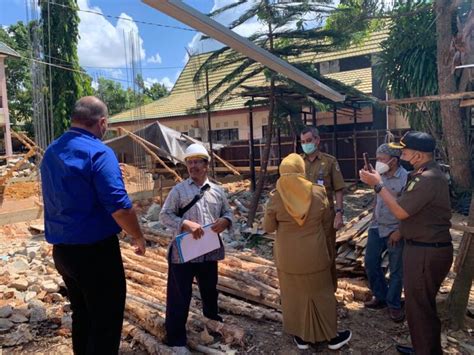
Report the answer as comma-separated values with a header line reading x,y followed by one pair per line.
x,y
190,248
194,228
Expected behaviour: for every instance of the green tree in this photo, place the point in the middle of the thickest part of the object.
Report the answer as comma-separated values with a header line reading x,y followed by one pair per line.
x,y
60,38
18,75
419,59
156,91
119,99
410,66
149,94
290,30
113,94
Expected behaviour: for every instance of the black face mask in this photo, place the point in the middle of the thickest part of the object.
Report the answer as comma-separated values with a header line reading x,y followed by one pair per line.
x,y
407,165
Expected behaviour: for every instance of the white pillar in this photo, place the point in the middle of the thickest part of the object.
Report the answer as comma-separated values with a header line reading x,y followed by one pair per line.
x,y
3,90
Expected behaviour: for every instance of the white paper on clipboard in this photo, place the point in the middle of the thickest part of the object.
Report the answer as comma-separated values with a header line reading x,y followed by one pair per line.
x,y
190,248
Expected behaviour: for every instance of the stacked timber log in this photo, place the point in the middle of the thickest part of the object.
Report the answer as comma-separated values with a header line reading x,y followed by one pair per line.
x,y
248,286
146,300
351,242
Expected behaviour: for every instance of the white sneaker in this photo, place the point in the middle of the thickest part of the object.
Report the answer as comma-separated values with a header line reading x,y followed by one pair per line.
x,y
340,340
300,343
180,350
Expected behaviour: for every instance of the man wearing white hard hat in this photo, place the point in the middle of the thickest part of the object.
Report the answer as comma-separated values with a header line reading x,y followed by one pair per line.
x,y
190,205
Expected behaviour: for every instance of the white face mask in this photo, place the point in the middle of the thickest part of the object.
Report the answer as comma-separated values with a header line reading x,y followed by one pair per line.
x,y
381,168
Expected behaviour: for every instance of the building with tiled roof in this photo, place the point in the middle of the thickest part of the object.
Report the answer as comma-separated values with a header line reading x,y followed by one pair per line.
x,y
5,140
182,111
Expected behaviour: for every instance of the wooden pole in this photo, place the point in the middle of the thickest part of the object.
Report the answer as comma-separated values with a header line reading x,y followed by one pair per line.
x,y
27,142
251,150
279,145
431,98
354,140
160,181
209,129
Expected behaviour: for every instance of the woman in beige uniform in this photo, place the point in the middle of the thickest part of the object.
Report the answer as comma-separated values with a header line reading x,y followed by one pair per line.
x,y
298,210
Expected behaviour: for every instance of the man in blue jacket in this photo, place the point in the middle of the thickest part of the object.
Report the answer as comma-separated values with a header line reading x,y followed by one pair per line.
x,y
85,206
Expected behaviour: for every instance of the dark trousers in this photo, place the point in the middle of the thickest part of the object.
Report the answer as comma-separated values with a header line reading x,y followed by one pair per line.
x,y
95,281
179,292
424,270
388,292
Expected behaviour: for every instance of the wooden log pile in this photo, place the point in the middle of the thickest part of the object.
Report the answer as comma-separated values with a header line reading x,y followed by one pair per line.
x,y
351,242
146,300
248,286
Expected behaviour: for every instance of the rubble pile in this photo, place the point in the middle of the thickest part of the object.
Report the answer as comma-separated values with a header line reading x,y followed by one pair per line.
x,y
21,168
31,294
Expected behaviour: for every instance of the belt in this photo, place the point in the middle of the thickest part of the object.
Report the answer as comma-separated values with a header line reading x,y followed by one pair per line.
x,y
100,243
428,245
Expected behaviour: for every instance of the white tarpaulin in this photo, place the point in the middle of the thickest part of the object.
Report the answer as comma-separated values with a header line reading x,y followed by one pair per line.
x,y
172,143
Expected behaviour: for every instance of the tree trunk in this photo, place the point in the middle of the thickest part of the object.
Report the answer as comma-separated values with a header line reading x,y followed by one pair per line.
x,y
459,296
454,136
264,159
268,144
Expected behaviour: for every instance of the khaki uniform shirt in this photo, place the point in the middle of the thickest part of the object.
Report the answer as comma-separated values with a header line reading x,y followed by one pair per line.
x,y
325,170
426,199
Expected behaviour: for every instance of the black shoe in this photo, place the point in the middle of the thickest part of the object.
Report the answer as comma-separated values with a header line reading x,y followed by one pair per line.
x,y
300,343
397,315
340,340
405,349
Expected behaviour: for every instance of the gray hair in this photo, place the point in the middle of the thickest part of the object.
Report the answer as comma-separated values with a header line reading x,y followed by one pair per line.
x,y
314,131
88,110
386,149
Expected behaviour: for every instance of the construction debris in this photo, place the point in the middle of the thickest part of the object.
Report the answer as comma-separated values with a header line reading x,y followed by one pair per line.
x,y
351,242
18,167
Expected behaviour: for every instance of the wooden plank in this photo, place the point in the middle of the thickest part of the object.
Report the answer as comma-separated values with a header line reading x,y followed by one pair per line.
x,y
431,98
467,103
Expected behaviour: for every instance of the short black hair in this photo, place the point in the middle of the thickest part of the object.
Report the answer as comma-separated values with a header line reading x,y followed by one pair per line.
x,y
314,131
88,110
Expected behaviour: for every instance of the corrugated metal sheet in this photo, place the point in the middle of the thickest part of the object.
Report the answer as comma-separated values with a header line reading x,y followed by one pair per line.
x,y
4,49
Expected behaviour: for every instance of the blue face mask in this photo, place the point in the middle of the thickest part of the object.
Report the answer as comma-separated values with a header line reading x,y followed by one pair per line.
x,y
309,148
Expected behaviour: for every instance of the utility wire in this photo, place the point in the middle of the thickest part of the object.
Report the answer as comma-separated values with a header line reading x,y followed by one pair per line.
x,y
123,18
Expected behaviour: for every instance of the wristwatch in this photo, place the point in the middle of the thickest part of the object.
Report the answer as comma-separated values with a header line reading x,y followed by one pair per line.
x,y
378,187
340,210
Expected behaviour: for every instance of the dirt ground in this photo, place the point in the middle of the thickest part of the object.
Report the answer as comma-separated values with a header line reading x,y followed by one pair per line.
x,y
373,331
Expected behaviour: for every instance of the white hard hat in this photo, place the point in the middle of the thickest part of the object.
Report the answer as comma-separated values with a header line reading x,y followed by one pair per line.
x,y
196,151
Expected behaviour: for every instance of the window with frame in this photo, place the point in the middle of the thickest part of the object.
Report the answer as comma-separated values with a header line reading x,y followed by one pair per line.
x,y
225,135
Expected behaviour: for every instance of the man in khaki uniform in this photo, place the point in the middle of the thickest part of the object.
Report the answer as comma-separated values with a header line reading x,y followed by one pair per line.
x,y
424,211
323,169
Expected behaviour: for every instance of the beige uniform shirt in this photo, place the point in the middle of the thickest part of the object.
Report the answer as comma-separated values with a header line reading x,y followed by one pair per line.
x,y
325,170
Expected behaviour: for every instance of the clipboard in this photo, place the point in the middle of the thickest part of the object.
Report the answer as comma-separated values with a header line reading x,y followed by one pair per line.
x,y
190,248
